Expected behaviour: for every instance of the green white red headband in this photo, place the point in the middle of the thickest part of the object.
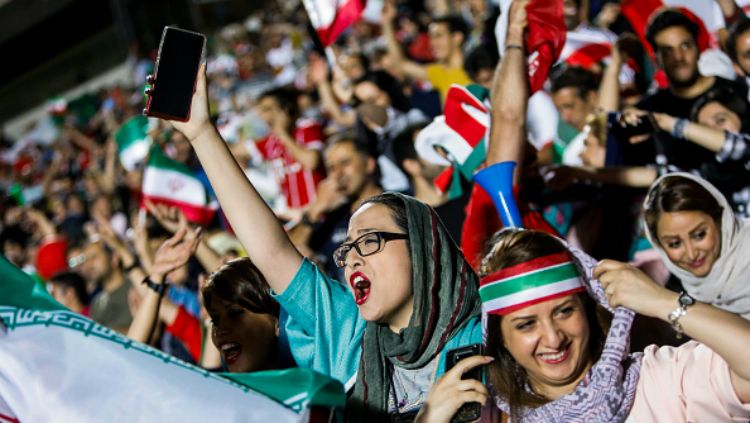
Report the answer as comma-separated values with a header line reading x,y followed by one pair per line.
x,y
528,283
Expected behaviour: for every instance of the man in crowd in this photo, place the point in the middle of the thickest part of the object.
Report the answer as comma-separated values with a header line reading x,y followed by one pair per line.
x,y
109,306
447,36
293,146
352,178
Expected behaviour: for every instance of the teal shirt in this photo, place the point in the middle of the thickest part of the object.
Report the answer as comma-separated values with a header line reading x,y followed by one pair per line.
x,y
325,328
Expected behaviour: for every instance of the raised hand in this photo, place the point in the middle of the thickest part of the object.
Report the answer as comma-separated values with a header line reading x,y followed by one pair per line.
x,y
626,286
171,218
200,120
174,252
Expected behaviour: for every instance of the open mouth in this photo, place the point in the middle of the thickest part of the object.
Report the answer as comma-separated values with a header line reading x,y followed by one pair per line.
x,y
697,263
360,287
555,358
231,352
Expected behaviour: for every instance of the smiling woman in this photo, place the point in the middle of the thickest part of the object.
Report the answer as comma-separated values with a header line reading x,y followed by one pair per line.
x,y
552,362
700,240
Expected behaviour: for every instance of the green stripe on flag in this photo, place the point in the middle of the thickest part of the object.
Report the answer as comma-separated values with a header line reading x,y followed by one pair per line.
x,y
526,281
132,131
20,290
317,390
158,159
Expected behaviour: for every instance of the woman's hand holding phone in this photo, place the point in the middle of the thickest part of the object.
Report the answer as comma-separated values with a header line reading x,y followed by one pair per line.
x,y
450,392
200,121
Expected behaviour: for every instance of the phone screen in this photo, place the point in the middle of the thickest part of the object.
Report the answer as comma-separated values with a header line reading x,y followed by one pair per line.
x,y
180,55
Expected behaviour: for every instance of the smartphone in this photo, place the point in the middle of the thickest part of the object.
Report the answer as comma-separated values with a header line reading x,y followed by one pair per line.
x,y
624,131
175,74
473,410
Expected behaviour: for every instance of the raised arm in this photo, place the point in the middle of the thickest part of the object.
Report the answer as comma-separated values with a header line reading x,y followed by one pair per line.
x,y
173,253
510,94
253,222
725,333
404,65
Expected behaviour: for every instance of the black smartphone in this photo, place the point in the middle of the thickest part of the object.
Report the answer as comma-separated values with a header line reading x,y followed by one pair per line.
x,y
175,74
623,131
473,410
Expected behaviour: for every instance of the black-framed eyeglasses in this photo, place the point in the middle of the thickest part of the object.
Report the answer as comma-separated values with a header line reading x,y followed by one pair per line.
x,y
366,245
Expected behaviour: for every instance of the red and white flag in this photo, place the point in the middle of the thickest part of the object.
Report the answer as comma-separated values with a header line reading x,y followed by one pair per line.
x,y
166,181
331,17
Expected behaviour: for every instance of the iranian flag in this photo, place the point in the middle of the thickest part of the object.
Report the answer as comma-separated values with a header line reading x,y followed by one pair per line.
x,y
58,366
133,141
331,17
166,181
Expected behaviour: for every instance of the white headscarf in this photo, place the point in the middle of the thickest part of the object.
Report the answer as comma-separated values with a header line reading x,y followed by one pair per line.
x,y
727,285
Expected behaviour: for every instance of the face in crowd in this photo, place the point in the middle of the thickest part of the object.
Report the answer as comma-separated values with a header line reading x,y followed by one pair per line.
x,y
691,239
716,116
573,107
550,341
443,43
348,167
378,269
742,47
246,340
678,55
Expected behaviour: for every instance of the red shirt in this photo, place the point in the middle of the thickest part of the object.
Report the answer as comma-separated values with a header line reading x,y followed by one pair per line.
x,y
297,184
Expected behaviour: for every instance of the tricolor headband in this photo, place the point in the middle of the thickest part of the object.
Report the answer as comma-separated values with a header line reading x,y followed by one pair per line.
x,y
528,283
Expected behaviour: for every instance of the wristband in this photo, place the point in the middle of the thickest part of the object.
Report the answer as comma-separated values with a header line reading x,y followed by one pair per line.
x,y
159,288
678,131
510,46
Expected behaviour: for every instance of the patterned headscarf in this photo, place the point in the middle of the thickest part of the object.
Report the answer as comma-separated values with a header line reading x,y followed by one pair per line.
x,y
608,392
445,299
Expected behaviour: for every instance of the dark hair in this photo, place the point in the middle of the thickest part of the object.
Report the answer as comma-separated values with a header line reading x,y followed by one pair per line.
x,y
668,18
676,194
239,282
349,137
456,23
403,145
286,98
479,58
582,80
735,31
14,234
386,82
510,247
729,97
74,281
395,205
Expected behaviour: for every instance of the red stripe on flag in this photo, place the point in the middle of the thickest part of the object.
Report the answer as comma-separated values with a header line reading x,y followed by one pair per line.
x,y
196,214
637,13
507,310
5,418
588,55
527,266
347,14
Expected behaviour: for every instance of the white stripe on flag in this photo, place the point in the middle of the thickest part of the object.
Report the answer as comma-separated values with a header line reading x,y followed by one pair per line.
x,y
171,184
61,367
531,294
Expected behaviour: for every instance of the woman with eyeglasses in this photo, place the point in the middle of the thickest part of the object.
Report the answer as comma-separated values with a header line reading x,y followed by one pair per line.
x,y
410,297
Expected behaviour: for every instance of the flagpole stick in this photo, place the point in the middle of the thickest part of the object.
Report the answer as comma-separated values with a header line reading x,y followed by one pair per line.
x,y
330,57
